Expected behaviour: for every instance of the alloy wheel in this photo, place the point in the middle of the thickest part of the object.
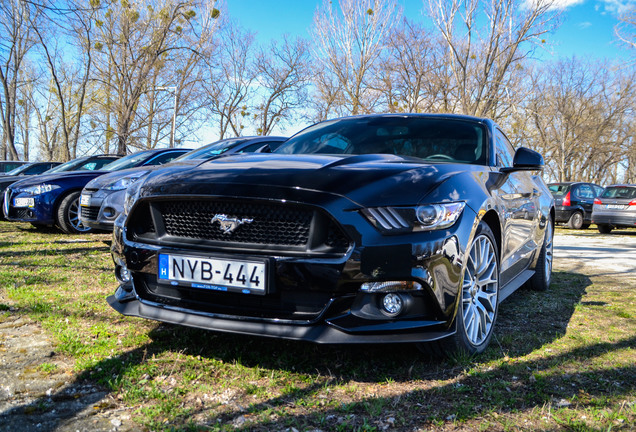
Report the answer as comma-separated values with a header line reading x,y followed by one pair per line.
x,y
480,290
73,217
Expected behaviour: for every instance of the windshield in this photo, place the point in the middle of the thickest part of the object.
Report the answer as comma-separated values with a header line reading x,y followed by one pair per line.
x,y
129,161
620,192
68,166
210,150
18,170
558,189
432,139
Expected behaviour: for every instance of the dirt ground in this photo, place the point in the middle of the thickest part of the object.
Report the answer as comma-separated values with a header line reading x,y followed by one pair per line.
x,y
33,377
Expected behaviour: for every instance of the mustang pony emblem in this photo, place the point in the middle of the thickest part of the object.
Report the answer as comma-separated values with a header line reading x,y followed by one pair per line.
x,y
228,224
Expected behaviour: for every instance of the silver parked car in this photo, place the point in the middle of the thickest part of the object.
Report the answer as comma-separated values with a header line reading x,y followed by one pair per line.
x,y
615,208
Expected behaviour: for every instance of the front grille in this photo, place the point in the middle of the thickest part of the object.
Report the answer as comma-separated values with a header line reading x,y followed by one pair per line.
x,y
20,213
271,224
267,226
90,213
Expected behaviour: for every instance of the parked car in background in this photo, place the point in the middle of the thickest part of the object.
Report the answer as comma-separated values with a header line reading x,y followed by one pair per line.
x,y
573,202
102,199
6,166
367,229
615,208
53,198
21,173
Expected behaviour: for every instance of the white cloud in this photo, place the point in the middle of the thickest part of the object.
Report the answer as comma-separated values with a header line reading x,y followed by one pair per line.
x,y
557,4
584,25
618,6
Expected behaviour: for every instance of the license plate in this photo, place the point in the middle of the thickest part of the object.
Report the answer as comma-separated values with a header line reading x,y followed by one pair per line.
x,y
615,206
23,202
247,277
85,200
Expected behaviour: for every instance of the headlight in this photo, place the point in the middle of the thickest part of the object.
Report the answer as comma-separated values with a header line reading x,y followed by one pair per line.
x,y
132,193
38,189
426,217
123,182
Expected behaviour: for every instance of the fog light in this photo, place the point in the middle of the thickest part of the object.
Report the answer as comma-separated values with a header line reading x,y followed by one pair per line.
x,y
392,304
109,213
122,274
390,286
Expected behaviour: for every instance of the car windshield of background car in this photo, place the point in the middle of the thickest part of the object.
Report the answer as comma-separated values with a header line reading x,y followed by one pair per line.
x,y
558,189
621,192
69,166
209,150
18,170
433,139
129,161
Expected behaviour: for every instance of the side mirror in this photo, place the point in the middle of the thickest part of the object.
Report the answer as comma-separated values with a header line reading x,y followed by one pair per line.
x,y
525,160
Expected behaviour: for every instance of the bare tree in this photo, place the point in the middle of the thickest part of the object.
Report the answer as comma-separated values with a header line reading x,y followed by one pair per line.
x,y
229,77
626,28
283,76
582,116
136,40
485,41
349,45
16,40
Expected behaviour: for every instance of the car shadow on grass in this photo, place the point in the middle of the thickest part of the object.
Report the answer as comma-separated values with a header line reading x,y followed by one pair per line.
x,y
527,321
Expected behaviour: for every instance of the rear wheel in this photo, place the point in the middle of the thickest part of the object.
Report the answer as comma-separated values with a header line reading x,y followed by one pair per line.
x,y
604,228
479,299
540,281
68,215
576,220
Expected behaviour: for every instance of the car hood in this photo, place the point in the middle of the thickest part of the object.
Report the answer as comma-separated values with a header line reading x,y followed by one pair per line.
x,y
57,177
366,180
108,178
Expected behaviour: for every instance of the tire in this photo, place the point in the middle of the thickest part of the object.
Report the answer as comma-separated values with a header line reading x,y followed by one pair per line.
x,y
604,228
68,215
542,277
576,220
478,300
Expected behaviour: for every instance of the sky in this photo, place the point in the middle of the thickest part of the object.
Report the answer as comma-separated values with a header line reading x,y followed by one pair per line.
x,y
587,28
586,31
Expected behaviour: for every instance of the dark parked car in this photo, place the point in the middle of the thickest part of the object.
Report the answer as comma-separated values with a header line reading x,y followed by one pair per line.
x,y
6,166
615,208
102,199
573,202
21,173
367,229
53,198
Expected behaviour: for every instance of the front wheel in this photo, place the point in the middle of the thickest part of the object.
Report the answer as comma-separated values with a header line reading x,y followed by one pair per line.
x,y
540,281
479,299
68,215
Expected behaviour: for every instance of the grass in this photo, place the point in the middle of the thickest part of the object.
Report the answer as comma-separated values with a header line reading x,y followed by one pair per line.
x,y
560,360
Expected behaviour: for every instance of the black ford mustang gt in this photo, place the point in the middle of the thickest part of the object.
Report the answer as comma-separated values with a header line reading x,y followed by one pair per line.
x,y
368,229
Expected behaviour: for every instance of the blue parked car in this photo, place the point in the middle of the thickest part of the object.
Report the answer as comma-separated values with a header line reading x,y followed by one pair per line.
x,y
53,198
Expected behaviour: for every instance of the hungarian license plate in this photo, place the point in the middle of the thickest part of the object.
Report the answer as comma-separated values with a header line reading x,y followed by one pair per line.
x,y
23,202
217,274
615,206
85,200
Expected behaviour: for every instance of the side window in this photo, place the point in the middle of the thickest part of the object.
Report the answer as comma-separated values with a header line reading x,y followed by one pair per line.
x,y
597,191
587,192
90,166
503,150
163,158
252,147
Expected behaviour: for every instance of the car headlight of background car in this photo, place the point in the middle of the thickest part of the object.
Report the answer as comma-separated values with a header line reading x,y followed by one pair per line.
x,y
132,193
426,217
38,189
124,182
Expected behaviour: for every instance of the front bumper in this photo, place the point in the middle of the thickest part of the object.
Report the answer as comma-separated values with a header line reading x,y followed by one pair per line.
x,y
102,208
312,298
40,211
